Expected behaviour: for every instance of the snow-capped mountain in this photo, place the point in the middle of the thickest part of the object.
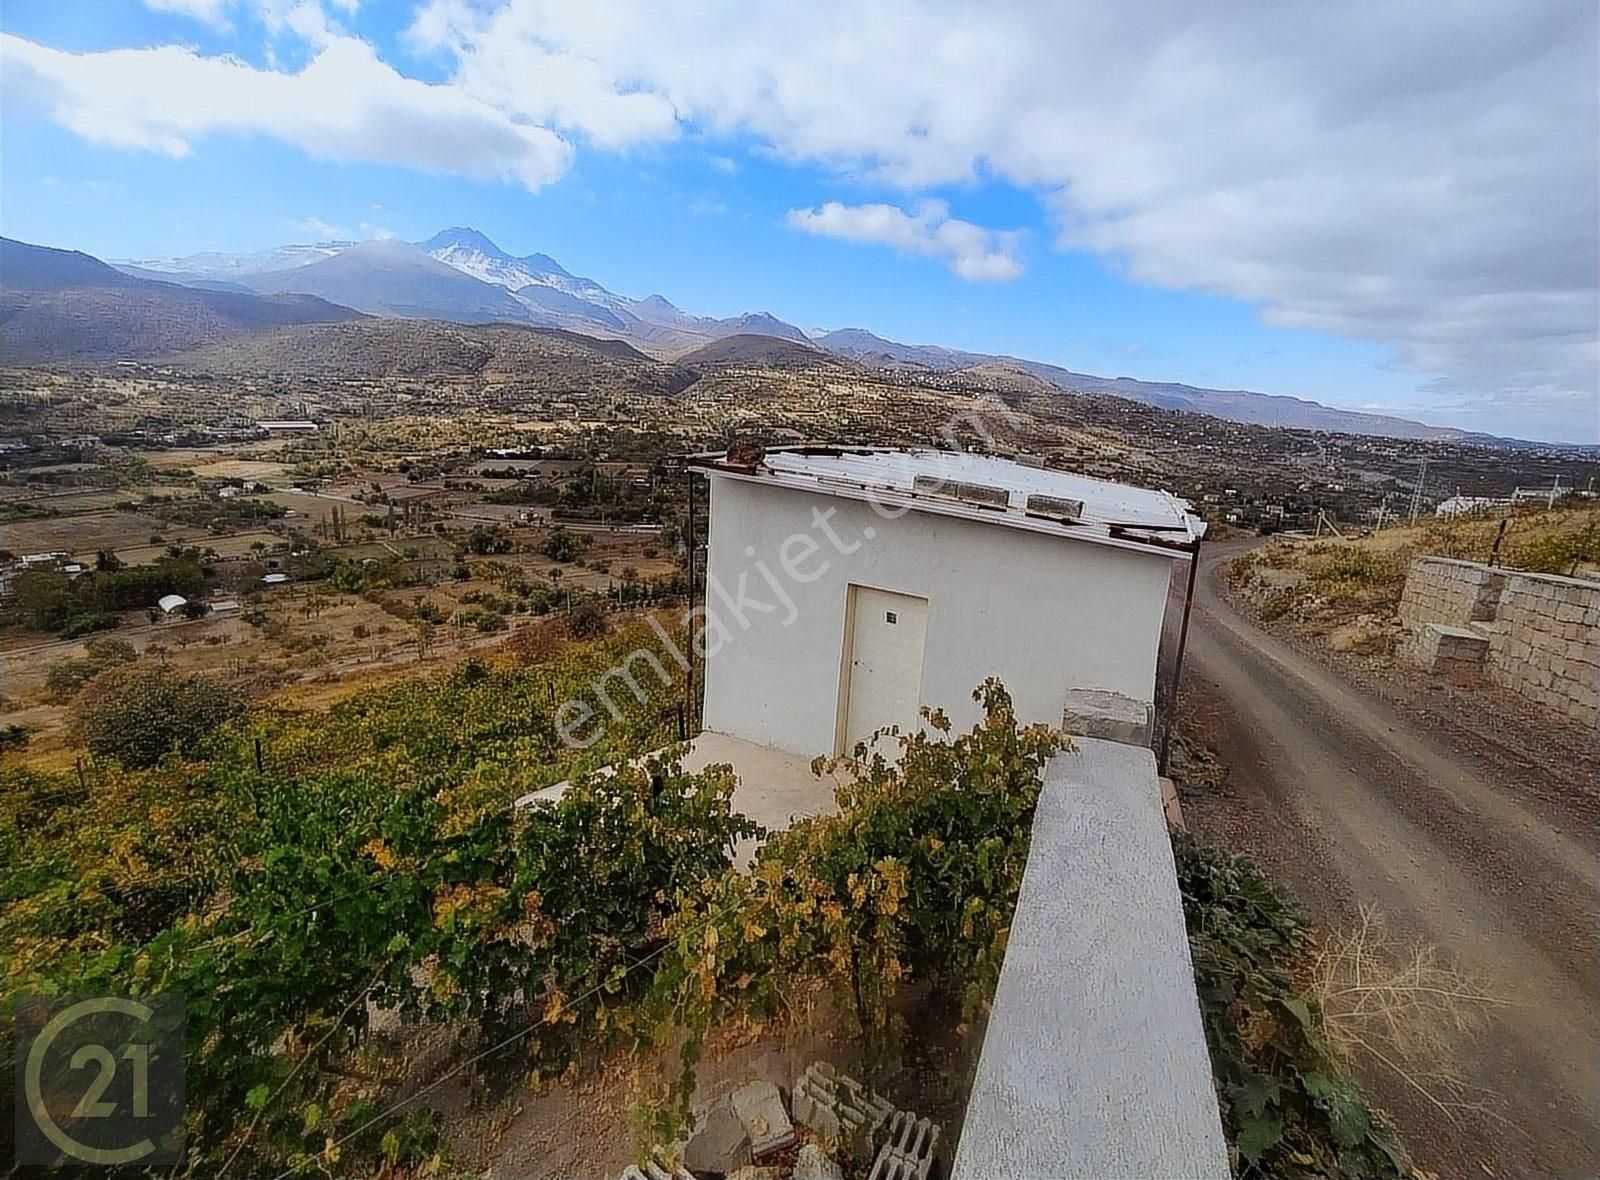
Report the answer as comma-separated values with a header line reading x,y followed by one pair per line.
x,y
214,265
470,251
400,278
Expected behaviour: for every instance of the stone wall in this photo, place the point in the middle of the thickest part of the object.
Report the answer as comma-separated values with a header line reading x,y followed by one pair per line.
x,y
1540,633
1545,642
1455,593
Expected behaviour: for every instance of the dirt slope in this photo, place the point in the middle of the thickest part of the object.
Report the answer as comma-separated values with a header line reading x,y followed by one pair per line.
x,y
1478,840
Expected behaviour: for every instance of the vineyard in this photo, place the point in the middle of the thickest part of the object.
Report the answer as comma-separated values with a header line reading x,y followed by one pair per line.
x,y
300,877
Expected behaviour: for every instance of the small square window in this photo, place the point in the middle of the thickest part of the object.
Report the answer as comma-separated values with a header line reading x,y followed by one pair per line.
x,y
890,616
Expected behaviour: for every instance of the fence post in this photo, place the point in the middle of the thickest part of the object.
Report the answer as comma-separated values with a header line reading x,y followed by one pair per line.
x,y
1494,550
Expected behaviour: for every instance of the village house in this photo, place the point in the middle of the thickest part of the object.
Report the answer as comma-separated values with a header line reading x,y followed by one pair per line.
x,y
848,588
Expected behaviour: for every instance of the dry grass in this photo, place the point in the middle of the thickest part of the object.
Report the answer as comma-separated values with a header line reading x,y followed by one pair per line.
x,y
1403,1008
1349,589
1543,540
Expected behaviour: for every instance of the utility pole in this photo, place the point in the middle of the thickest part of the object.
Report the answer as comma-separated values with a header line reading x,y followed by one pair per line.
x,y
688,686
1416,494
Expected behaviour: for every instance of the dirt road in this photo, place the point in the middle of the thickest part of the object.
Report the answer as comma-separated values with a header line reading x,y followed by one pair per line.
x,y
1477,845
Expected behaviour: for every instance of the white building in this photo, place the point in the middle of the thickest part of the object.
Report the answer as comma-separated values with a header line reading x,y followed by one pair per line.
x,y
848,588
1454,506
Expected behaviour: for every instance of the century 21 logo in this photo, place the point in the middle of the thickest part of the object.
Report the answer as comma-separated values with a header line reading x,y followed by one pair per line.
x,y
101,1080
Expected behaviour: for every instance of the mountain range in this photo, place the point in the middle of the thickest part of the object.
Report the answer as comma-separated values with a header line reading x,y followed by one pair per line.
x,y
64,305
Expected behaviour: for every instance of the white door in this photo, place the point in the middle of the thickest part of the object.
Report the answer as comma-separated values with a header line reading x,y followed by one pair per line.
x,y
883,668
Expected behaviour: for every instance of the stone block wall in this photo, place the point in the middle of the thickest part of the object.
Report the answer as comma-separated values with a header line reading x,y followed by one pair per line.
x,y
1457,653
1545,642
1444,590
1542,632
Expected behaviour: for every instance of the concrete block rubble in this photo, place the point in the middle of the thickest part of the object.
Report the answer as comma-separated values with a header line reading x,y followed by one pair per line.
x,y
839,1117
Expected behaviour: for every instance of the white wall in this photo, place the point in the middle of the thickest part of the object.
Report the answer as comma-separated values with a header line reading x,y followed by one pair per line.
x,y
1044,614
1094,1062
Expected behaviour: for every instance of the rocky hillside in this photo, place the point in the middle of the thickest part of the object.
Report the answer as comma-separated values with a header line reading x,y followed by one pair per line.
x,y
62,305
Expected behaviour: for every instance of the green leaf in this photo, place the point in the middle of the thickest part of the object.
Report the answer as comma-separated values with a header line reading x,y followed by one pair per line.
x,y
256,1099
1258,1134
1299,1010
1348,1118
1319,1085
1254,1096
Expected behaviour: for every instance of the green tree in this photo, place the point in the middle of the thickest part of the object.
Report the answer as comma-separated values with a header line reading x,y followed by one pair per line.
x,y
588,622
139,714
43,599
484,540
564,545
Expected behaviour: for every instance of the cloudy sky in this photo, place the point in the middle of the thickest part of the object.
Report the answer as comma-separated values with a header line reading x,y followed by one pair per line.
x,y
1384,206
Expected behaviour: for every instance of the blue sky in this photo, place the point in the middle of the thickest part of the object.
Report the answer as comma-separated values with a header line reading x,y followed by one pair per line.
x,y
788,184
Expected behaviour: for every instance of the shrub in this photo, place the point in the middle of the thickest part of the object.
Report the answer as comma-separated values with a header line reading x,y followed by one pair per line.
x,y
588,622
916,877
139,714
1560,553
1288,1108
80,625
65,679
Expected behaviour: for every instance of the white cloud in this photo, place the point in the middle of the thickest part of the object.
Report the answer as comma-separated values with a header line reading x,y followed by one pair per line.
x,y
1419,176
209,11
344,105
322,231
275,14
501,59
970,250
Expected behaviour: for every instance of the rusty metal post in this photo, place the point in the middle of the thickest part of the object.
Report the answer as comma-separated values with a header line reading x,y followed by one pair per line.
x,y
1177,671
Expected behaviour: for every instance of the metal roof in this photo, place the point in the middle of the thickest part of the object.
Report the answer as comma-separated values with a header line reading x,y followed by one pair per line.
x,y
975,487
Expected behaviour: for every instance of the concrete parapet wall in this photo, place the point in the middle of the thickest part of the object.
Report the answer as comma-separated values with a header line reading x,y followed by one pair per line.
x,y
1541,632
1094,1063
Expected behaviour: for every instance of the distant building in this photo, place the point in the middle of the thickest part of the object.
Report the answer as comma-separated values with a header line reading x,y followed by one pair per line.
x,y
274,579
54,558
1466,505
289,426
171,602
